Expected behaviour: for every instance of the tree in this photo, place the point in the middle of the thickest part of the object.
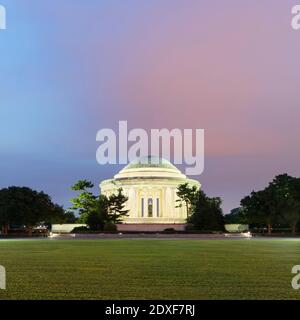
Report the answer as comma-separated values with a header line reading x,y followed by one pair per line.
x,y
203,213
187,195
236,215
98,215
96,211
288,193
92,209
69,217
279,202
24,206
116,205
262,207
10,210
85,201
58,215
207,214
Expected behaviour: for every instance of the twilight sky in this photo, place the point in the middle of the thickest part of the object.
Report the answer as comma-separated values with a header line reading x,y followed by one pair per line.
x,y
71,67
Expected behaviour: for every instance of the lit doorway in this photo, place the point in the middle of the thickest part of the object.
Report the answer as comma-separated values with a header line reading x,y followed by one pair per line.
x,y
150,208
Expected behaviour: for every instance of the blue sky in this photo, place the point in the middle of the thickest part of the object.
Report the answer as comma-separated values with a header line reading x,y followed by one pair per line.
x,y
69,68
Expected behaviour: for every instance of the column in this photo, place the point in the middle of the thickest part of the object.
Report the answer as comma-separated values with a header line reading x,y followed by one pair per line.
x,y
154,209
132,203
168,200
163,202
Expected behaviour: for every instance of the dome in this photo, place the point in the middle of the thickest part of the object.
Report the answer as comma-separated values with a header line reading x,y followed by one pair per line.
x,y
150,162
150,167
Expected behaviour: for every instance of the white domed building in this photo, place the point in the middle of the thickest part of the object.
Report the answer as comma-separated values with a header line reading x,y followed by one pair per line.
x,y
150,183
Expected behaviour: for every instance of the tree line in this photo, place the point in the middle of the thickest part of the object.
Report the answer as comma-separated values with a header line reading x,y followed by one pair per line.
x,y
277,204
26,207
22,206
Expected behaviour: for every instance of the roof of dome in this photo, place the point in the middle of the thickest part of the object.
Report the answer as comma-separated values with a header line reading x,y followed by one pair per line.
x,y
150,162
149,168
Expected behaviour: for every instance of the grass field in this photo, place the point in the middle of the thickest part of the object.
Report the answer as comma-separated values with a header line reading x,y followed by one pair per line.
x,y
149,269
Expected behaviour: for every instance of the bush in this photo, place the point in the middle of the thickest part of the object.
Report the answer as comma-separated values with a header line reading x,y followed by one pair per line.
x,y
79,229
169,230
189,227
110,227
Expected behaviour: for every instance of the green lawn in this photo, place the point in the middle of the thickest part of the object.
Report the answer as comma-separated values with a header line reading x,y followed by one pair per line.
x,y
149,269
